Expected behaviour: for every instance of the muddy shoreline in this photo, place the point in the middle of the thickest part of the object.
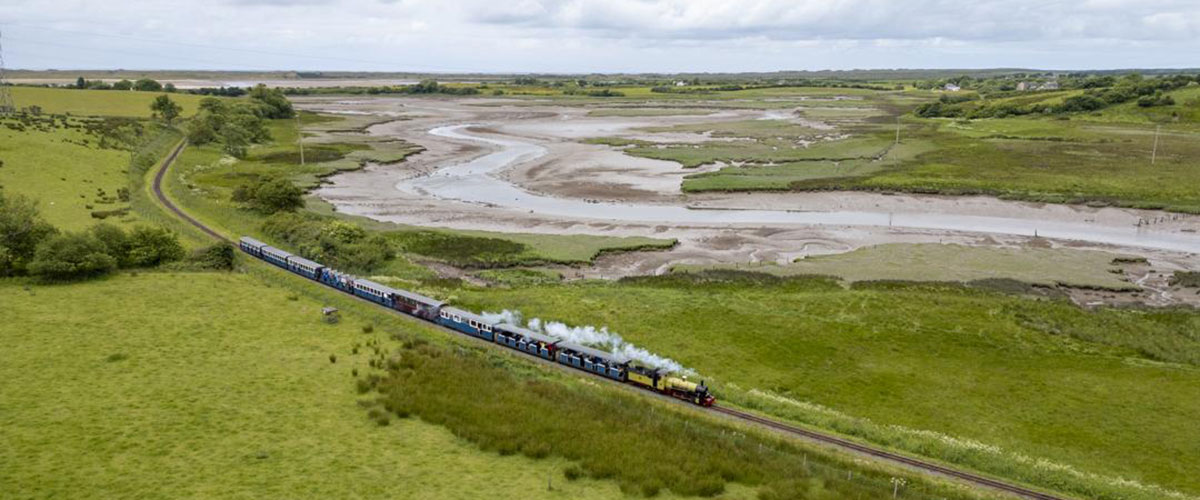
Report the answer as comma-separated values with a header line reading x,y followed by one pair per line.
x,y
584,173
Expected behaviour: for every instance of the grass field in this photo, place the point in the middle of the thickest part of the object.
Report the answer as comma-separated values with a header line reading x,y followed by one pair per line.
x,y
937,262
98,102
212,385
66,169
1035,378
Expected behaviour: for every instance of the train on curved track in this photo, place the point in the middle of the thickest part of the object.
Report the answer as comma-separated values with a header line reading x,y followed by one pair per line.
x,y
593,361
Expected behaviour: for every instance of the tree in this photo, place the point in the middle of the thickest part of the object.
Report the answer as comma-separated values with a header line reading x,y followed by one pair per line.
x,y
81,83
21,230
163,107
71,256
169,87
235,139
152,246
272,102
123,85
270,196
147,85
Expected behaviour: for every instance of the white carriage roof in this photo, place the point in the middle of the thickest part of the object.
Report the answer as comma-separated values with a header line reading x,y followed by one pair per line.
x,y
528,333
251,241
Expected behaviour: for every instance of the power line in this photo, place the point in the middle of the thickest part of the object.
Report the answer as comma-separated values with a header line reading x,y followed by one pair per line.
x,y
6,100
389,64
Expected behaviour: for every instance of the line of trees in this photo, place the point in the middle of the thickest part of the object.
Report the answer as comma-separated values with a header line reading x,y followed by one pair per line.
x,y
141,85
30,246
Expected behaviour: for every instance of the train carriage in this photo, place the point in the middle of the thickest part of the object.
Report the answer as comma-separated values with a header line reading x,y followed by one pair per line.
x,y
374,292
418,305
526,340
337,279
590,360
251,246
466,322
305,267
275,256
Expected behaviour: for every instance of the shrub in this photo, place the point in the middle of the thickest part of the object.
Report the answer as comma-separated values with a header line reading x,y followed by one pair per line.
x,y
71,256
270,196
152,246
368,328
572,473
217,257
22,229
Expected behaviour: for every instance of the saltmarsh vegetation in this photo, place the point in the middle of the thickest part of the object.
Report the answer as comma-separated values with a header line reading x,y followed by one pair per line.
x,y
1035,378
648,448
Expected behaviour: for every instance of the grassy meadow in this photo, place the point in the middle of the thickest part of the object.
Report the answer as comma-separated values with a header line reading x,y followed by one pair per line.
x,y
938,262
66,167
128,104
218,385
1031,377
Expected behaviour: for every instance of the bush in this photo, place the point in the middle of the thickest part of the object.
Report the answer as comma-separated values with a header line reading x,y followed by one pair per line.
x,y
270,196
71,256
22,229
152,246
217,257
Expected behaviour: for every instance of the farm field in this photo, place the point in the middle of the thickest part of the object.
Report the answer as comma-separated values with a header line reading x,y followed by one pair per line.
x,y
128,104
217,385
72,171
1029,377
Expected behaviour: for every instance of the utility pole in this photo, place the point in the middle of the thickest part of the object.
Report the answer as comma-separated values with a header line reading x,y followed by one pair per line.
x,y
6,100
1154,152
300,138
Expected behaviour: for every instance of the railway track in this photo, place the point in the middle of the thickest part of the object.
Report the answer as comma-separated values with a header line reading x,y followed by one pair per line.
x,y
828,439
889,456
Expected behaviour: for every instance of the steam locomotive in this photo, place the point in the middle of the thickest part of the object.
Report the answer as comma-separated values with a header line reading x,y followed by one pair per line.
x,y
527,341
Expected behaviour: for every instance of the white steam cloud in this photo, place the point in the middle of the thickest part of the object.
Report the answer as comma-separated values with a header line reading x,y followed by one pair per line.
x,y
599,338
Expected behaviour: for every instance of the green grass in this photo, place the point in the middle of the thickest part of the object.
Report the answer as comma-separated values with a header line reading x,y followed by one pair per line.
x,y
1017,158
98,102
766,150
66,170
1036,378
646,448
202,385
936,262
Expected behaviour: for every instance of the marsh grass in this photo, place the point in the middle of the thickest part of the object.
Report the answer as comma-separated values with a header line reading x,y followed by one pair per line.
x,y
646,448
1039,378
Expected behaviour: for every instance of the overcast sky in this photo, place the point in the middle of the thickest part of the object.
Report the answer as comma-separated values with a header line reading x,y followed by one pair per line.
x,y
599,35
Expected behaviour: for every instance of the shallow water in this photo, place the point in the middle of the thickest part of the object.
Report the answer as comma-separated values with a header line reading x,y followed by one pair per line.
x,y
473,182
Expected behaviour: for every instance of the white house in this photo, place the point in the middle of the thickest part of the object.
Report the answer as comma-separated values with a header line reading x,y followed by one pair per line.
x,y
950,87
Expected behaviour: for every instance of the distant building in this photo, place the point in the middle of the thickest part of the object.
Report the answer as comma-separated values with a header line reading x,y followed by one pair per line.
x,y
680,83
1024,86
950,87
1051,85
